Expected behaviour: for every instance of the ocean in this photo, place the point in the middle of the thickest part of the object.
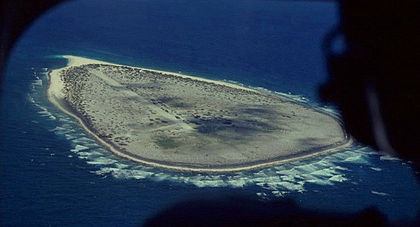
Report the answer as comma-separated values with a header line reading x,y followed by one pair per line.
x,y
53,173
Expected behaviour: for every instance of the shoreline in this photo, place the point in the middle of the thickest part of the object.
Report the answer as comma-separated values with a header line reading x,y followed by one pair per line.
x,y
55,96
78,61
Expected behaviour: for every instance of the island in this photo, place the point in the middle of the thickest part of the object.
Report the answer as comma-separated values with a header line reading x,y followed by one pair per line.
x,y
187,123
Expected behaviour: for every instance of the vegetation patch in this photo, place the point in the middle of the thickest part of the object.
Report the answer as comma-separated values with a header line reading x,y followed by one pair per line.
x,y
166,142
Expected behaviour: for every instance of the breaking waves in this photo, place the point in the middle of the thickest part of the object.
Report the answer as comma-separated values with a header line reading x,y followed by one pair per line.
x,y
278,180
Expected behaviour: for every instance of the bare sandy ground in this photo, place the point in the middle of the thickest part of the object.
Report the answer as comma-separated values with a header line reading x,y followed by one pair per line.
x,y
187,123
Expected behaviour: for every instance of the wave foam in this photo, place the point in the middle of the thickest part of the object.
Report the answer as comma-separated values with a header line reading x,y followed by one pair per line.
x,y
389,158
379,193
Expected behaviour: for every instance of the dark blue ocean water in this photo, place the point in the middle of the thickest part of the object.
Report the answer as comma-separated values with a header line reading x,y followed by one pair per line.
x,y
52,173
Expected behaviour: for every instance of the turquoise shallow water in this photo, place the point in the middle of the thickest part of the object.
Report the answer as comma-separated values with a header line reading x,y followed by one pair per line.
x,y
52,173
